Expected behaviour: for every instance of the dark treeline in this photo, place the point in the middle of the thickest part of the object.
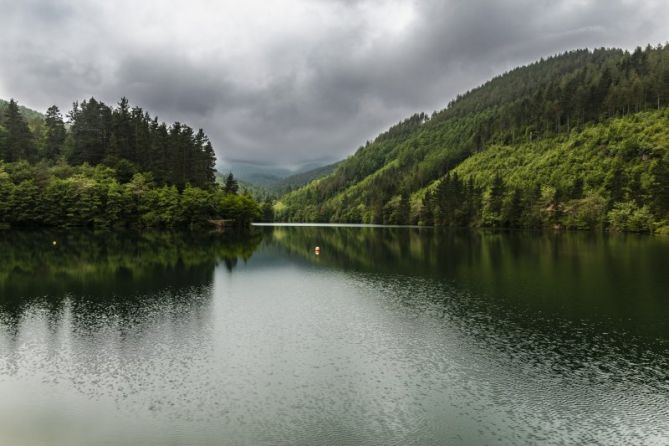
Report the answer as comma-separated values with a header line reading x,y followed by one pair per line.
x,y
459,203
551,99
110,167
124,138
566,91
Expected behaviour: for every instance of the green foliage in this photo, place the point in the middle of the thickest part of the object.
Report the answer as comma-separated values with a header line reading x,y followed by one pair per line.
x,y
33,117
628,217
585,213
62,195
125,169
17,140
574,181
131,141
557,143
242,208
127,139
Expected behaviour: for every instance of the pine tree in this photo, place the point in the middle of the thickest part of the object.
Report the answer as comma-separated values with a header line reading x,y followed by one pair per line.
x,y
122,141
187,154
175,158
514,209
18,141
91,132
160,159
209,163
204,161
231,186
495,201
55,133
496,194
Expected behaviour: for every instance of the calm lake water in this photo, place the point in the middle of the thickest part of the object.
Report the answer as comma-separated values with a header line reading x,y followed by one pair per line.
x,y
389,336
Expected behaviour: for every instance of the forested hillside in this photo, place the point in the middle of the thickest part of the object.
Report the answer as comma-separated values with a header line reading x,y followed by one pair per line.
x,y
108,166
34,118
583,103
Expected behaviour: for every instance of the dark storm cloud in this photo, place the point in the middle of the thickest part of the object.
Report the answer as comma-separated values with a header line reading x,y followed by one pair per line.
x,y
297,81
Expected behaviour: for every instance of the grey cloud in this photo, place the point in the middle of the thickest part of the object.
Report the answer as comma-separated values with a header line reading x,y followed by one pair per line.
x,y
36,76
172,86
304,96
38,12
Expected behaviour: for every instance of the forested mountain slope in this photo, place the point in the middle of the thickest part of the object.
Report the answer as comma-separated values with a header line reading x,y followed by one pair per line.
x,y
586,99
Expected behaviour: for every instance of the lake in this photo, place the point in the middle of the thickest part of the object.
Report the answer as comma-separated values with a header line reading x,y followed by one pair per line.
x,y
388,336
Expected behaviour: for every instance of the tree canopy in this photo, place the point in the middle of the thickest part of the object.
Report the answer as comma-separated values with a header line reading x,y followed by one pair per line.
x,y
108,167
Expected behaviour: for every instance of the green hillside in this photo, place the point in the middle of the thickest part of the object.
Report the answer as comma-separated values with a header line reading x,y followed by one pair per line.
x,y
30,115
34,119
518,151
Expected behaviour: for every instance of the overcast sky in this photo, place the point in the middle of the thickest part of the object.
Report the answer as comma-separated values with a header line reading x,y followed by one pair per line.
x,y
294,81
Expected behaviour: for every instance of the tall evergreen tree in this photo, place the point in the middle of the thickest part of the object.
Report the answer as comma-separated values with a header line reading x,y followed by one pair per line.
x,y
55,133
496,194
495,201
231,186
209,164
122,144
91,132
160,159
204,160
18,141
514,209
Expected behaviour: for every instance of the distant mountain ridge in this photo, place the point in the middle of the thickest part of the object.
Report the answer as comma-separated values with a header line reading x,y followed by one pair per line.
x,y
302,178
267,180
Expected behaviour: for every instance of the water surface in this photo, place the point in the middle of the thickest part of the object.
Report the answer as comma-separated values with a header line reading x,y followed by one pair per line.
x,y
389,336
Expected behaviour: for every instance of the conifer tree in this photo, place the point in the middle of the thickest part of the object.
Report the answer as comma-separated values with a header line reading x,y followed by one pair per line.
x,y
55,133
18,140
231,186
